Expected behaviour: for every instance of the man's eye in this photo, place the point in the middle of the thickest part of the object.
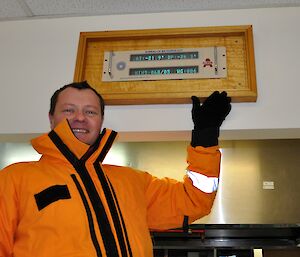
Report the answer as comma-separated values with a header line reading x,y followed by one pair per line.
x,y
91,113
68,111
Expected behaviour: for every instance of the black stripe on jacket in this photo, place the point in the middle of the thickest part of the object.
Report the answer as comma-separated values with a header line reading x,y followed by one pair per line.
x,y
101,216
112,199
89,216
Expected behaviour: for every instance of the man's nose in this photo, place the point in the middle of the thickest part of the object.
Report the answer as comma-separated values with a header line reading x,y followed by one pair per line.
x,y
79,115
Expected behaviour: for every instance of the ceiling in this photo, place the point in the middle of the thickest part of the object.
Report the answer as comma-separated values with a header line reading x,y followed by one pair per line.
x,y
29,9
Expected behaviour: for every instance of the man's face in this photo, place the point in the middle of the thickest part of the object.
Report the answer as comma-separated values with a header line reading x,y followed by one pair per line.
x,y
83,111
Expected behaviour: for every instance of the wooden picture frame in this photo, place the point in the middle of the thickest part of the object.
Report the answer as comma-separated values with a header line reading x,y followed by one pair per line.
x,y
240,82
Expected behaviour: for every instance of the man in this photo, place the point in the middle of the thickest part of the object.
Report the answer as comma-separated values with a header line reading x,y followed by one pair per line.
x,y
70,205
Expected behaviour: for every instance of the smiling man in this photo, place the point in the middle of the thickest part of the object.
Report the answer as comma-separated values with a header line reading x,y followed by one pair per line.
x,y
69,204
83,109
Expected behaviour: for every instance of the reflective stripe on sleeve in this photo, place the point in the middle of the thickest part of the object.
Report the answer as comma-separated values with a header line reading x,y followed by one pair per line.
x,y
202,182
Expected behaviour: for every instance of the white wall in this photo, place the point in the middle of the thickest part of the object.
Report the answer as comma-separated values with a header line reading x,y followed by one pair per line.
x,y
38,56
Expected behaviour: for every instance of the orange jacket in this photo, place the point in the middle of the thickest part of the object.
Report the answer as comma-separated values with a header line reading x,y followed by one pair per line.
x,y
68,204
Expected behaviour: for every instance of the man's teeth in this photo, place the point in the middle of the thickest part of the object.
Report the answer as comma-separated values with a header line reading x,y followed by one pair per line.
x,y
79,130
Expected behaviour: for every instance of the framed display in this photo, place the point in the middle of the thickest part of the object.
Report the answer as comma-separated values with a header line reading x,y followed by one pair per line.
x,y
167,66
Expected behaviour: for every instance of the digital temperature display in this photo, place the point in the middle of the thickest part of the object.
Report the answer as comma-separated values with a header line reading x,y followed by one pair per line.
x,y
163,70
164,64
164,56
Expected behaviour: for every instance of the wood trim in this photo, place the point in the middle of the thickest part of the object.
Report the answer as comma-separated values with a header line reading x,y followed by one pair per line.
x,y
240,83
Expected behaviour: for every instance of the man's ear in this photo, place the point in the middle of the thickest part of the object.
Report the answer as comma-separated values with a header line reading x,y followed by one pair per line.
x,y
102,120
51,120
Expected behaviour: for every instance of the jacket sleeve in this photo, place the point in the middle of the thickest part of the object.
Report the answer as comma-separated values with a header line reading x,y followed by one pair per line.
x,y
170,201
8,213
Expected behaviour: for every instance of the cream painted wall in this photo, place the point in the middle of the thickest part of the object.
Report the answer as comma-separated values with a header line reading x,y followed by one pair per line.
x,y
38,56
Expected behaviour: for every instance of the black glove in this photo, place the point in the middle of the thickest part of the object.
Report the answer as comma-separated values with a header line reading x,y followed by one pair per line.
x,y
208,118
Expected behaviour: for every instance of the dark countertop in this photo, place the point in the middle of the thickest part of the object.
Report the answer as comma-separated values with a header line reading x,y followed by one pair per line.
x,y
242,236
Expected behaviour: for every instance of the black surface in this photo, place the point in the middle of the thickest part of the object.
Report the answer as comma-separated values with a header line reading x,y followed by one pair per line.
x,y
229,236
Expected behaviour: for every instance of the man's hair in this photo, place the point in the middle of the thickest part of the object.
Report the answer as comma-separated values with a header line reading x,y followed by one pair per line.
x,y
78,85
